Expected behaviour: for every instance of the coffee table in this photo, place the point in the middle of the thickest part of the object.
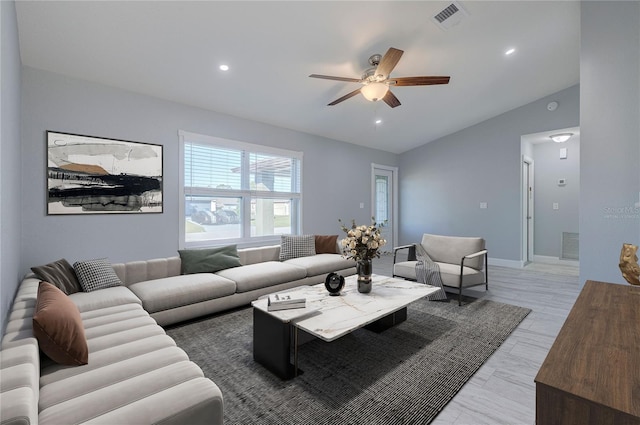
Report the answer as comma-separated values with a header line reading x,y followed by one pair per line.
x,y
276,333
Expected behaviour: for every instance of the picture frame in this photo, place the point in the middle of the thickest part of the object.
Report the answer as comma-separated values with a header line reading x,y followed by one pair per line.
x,y
96,175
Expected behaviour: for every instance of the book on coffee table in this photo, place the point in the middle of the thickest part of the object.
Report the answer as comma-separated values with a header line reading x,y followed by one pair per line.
x,y
285,301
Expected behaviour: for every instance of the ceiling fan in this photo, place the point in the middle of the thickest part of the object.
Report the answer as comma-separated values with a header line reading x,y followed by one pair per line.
x,y
376,80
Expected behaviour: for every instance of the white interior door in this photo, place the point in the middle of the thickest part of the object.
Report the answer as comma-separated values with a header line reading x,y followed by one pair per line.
x,y
384,203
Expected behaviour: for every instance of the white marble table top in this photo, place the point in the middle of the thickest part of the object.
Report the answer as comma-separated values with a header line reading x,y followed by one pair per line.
x,y
330,317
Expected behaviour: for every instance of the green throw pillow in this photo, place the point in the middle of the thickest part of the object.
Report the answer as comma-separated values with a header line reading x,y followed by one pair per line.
x,y
209,260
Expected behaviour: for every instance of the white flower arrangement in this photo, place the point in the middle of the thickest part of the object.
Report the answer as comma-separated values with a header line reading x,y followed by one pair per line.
x,y
362,242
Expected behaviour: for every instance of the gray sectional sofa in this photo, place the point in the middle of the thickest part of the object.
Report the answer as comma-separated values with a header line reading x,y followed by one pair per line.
x,y
135,372
170,297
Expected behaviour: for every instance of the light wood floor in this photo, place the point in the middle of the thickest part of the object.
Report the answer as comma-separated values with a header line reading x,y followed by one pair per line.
x,y
503,390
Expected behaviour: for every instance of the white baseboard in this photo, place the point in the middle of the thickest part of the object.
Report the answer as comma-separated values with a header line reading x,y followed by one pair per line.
x,y
554,260
514,264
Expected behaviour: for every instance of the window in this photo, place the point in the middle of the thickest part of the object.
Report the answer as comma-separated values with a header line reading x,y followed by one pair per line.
x,y
235,192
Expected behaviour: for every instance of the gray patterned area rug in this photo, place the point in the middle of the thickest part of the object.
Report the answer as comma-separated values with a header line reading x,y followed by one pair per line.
x,y
404,375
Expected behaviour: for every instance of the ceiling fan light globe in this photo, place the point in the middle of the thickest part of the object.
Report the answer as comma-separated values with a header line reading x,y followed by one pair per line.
x,y
374,91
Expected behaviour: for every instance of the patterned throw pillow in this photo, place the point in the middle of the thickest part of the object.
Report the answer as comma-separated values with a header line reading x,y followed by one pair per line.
x,y
297,246
96,274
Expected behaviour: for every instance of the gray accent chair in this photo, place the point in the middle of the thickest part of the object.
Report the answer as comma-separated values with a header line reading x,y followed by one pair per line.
x,y
462,261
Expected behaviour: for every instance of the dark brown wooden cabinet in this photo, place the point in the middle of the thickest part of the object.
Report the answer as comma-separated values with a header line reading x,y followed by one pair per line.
x,y
592,372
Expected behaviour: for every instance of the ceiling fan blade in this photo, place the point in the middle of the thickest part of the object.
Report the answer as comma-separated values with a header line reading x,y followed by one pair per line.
x,y
329,77
388,62
391,100
418,81
345,97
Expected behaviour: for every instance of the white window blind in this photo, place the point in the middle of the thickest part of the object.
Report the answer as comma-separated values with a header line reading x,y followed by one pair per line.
x,y
236,192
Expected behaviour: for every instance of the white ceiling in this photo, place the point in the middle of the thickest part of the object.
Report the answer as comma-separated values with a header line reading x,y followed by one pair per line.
x,y
172,50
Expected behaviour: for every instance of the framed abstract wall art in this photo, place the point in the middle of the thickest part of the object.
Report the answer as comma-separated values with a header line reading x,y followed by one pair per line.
x,y
91,175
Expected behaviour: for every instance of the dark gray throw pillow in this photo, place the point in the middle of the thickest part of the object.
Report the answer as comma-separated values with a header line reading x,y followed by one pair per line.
x,y
209,260
59,273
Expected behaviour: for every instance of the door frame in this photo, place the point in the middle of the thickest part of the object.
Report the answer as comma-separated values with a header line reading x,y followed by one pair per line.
x,y
528,208
394,201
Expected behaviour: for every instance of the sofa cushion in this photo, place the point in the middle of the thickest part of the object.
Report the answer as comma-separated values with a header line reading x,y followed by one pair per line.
x,y
94,379
108,297
326,244
294,246
451,249
58,327
209,260
261,275
138,271
87,407
177,291
322,263
59,273
259,254
96,274
450,273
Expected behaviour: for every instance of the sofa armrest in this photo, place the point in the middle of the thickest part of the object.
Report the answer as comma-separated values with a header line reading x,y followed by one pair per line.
x,y
412,252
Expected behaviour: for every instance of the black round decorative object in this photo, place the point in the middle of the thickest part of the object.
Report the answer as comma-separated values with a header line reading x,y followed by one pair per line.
x,y
334,283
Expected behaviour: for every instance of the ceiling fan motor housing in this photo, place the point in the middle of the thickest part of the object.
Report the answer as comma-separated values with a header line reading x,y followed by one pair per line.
x,y
374,60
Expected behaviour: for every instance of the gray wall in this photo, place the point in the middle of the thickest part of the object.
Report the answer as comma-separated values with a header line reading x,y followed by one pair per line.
x,y
10,190
336,176
548,167
610,135
443,182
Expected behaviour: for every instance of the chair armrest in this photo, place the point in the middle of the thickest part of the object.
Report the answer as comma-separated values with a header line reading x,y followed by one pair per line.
x,y
403,247
474,255
412,252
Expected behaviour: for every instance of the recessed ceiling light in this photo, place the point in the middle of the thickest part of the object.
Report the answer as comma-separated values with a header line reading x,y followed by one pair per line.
x,y
510,51
378,121
224,67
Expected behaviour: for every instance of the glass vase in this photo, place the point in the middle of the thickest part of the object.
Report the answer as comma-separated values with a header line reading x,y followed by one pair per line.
x,y
364,269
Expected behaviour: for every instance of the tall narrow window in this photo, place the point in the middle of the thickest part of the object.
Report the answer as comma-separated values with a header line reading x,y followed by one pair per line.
x,y
236,192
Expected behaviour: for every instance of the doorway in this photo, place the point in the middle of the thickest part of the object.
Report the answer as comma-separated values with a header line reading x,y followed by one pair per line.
x,y
549,212
384,203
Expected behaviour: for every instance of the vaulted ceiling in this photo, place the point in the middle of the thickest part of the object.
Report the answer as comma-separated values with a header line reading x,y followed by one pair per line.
x,y
173,49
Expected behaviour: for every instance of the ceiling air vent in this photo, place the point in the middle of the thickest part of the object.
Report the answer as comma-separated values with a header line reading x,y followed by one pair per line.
x,y
450,16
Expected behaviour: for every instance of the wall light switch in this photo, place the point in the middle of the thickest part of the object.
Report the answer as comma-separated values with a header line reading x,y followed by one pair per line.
x,y
563,153
483,205
556,206
361,204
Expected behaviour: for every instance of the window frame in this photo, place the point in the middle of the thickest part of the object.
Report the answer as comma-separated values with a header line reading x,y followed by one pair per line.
x,y
246,194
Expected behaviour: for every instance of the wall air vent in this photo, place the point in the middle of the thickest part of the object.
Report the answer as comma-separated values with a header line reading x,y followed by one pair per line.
x,y
450,16
570,244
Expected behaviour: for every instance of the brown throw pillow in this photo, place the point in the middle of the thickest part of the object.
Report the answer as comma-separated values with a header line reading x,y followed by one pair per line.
x,y
326,244
58,327
59,273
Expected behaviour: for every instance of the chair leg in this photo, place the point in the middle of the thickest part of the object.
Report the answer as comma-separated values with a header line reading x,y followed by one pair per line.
x,y
460,297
